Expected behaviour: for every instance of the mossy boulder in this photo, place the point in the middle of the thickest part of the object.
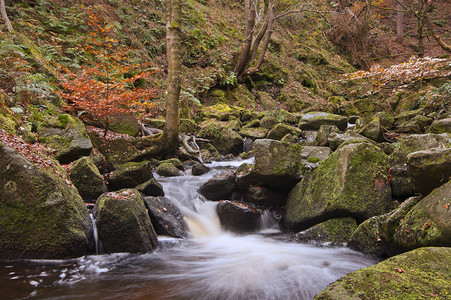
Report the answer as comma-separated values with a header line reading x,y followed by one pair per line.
x,y
375,235
67,135
123,224
254,133
419,121
352,182
334,231
223,136
266,101
322,138
129,175
221,112
125,124
281,130
314,120
87,179
168,169
441,126
115,151
429,168
199,169
151,188
428,223
419,274
374,130
166,217
238,216
349,137
41,214
364,105
269,122
264,196
219,187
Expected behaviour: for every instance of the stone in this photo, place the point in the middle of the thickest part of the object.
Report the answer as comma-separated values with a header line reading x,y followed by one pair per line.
x,y
418,274
223,136
264,196
238,216
269,122
352,182
429,168
322,138
441,126
166,217
314,120
151,188
219,187
280,130
350,137
289,138
334,231
87,179
42,216
123,224
401,183
67,135
254,133
199,169
221,112
373,130
168,170
130,174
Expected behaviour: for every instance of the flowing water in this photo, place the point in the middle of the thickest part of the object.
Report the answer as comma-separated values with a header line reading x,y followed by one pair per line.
x,y
210,264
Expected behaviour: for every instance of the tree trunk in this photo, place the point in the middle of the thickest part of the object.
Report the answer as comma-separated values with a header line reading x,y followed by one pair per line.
x,y
246,48
173,44
436,37
5,16
399,23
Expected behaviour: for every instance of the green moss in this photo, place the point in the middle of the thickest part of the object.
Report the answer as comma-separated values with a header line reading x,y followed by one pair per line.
x,y
313,159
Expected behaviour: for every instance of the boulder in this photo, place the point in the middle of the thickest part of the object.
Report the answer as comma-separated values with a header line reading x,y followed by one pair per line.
x,y
334,231
314,120
419,274
373,130
429,168
350,137
219,187
87,179
125,124
280,130
254,133
322,138
151,188
352,182
67,135
175,162
375,235
238,216
41,213
428,223
199,169
419,121
264,196
441,126
130,174
289,138
269,122
280,165
168,170
223,135
401,184
221,112
166,217
123,224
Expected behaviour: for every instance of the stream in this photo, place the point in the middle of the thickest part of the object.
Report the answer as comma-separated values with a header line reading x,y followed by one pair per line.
x,y
210,264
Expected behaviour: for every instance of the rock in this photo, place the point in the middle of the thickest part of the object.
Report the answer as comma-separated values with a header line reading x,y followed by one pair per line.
x,y
254,133
102,164
429,168
221,112
407,115
280,130
364,105
441,126
67,135
401,184
199,169
280,165
41,214
266,101
269,122
175,162
87,179
418,274
130,174
209,152
428,223
322,138
155,123
223,136
238,216
289,138
375,235
286,117
263,196
418,121
125,124
350,137
373,130
314,120
352,182
308,137
166,217
123,224
335,231
168,170
151,188
219,187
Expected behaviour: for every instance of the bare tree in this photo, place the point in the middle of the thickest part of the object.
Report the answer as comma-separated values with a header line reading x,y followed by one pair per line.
x,y
399,23
5,16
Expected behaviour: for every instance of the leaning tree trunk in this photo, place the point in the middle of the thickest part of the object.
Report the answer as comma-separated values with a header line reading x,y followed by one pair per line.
x,y
243,59
5,16
174,16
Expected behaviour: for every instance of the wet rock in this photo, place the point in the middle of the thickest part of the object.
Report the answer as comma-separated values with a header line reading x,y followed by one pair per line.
x,y
175,162
428,223
67,135
416,274
219,187
441,126
352,182
280,130
151,188
314,120
199,169
87,179
123,224
335,231
166,217
375,235
263,196
130,174
238,216
429,168
41,215
168,170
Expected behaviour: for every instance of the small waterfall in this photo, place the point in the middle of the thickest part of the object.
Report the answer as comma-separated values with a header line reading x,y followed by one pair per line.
x,y
97,242
268,221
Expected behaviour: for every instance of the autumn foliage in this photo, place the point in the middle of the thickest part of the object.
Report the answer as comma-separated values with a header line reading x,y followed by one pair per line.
x,y
104,87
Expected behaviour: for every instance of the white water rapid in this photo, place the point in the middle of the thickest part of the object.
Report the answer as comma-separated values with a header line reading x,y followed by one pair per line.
x,y
210,264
